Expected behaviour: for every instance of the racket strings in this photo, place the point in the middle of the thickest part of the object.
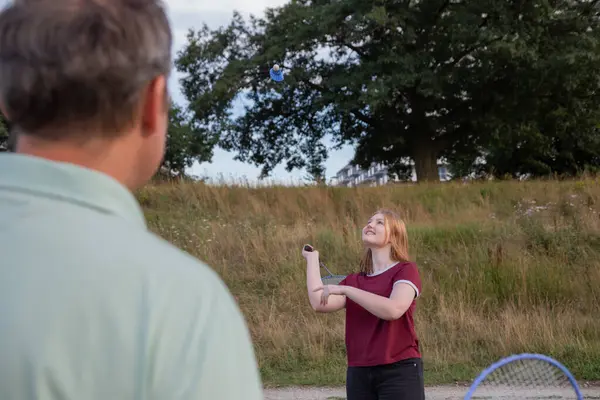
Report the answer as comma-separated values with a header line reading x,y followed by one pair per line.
x,y
526,379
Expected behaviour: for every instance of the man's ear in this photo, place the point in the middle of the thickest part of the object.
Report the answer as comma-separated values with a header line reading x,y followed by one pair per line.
x,y
154,104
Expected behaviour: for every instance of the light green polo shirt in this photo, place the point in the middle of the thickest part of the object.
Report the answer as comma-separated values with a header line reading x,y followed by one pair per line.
x,y
93,306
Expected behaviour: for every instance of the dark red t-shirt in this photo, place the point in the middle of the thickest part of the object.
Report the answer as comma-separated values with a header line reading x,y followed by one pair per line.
x,y
374,341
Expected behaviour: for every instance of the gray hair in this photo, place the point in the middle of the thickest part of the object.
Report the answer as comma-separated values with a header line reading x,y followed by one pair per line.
x,y
69,66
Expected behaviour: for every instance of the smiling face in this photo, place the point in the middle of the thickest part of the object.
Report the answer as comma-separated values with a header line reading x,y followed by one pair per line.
x,y
385,229
374,234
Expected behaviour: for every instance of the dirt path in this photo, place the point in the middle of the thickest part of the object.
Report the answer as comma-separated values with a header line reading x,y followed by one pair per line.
x,y
431,393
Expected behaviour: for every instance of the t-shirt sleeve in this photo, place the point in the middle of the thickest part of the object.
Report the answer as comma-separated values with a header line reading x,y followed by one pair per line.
x,y
409,274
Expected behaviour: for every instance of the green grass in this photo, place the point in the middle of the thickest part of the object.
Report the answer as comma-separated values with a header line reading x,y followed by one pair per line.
x,y
507,267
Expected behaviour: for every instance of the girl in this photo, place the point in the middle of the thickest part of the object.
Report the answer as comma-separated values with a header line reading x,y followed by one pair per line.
x,y
384,361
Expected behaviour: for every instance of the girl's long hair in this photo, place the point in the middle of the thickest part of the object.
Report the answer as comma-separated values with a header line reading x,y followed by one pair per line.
x,y
395,230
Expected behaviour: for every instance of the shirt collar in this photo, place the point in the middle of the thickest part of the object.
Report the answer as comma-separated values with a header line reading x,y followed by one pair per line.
x,y
69,183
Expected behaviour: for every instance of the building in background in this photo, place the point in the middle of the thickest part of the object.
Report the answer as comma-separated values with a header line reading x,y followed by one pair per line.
x,y
376,175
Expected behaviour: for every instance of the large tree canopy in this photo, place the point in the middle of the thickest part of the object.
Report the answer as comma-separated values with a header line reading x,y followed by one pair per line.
x,y
417,79
545,113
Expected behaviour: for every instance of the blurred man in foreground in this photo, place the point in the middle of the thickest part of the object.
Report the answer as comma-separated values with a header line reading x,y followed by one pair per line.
x,y
92,305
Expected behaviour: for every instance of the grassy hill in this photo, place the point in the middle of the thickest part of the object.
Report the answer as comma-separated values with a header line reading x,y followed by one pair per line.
x,y
507,267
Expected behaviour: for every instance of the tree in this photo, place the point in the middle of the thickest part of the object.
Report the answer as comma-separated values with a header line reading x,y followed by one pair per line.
x,y
186,144
416,79
560,141
546,123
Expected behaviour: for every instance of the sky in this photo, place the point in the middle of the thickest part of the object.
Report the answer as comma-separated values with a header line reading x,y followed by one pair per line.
x,y
186,14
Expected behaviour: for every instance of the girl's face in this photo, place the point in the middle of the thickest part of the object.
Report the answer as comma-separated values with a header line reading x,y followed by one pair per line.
x,y
374,234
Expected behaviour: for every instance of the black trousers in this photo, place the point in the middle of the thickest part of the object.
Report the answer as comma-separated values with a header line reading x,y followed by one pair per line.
x,y
402,380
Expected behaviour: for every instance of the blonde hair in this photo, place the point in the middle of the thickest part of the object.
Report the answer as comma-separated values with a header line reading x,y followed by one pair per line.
x,y
395,229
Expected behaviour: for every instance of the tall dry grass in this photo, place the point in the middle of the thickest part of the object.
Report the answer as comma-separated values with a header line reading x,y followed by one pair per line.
x,y
506,267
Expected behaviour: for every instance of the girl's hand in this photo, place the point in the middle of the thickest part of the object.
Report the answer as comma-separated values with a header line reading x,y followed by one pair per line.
x,y
314,254
329,290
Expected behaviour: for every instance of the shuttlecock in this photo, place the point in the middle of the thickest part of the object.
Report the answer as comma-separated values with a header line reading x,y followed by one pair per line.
x,y
276,73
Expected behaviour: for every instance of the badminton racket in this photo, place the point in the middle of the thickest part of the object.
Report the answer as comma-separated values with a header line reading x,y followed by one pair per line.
x,y
525,376
330,279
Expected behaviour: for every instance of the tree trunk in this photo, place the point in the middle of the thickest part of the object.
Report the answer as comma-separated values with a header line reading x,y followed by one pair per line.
x,y
425,158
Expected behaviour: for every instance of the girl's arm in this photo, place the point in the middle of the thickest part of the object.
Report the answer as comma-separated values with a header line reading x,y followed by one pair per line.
x,y
313,282
385,308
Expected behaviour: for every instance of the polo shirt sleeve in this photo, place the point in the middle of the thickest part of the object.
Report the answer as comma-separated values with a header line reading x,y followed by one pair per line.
x,y
409,274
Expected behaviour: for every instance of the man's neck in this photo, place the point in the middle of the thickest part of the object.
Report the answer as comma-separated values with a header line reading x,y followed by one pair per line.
x,y
97,154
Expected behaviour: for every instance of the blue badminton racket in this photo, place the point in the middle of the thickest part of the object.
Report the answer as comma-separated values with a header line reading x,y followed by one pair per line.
x,y
525,376
276,73
330,279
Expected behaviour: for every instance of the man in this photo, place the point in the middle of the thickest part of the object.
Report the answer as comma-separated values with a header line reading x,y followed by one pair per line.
x,y
92,305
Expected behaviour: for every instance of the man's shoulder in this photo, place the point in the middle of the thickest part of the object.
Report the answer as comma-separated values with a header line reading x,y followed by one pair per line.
x,y
162,257
157,246
168,274
109,240
108,243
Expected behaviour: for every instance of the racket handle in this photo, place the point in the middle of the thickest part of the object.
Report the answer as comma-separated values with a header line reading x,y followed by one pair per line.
x,y
309,248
